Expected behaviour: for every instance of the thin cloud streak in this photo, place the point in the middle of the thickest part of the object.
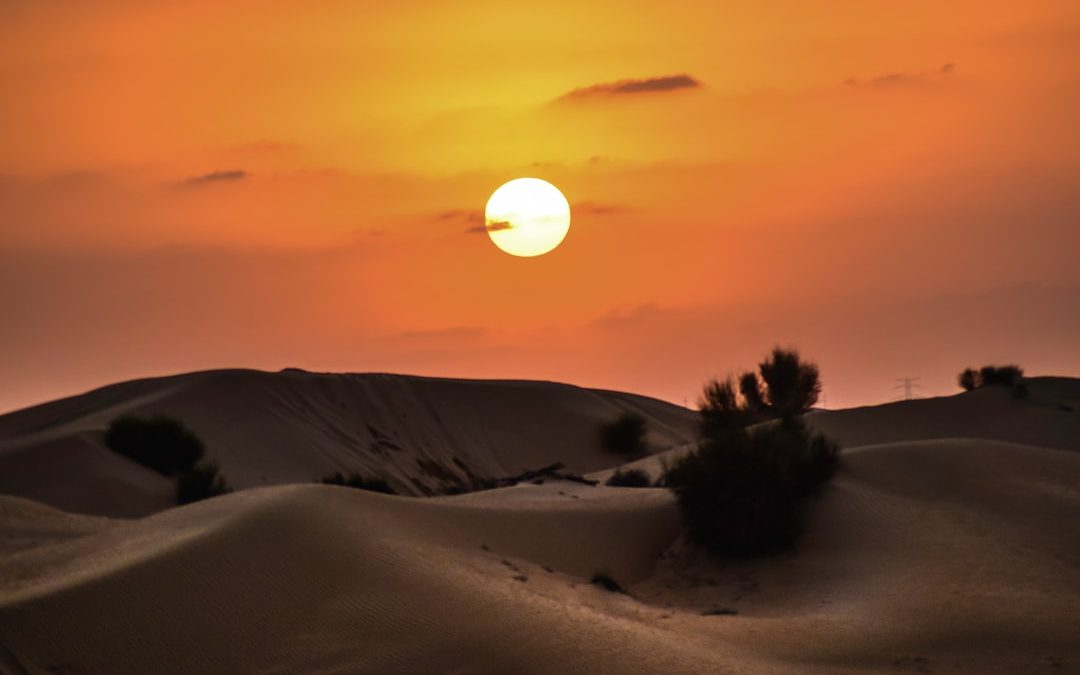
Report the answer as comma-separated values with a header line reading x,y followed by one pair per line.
x,y
667,83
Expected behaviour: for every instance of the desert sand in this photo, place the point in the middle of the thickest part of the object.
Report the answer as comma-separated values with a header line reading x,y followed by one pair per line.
x,y
949,541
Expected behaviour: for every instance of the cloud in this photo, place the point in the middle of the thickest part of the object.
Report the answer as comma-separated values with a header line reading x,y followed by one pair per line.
x,y
470,216
217,177
596,209
890,80
475,220
634,86
493,226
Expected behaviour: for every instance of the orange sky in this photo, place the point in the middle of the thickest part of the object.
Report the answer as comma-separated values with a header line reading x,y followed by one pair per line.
x,y
891,187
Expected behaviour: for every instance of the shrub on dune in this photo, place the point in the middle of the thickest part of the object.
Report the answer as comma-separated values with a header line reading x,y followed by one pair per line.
x,y
201,481
606,582
743,490
629,478
159,443
170,448
625,435
1011,376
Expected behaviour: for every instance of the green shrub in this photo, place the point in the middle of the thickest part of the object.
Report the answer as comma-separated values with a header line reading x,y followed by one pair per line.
x,y
625,435
742,492
159,443
629,478
199,482
356,480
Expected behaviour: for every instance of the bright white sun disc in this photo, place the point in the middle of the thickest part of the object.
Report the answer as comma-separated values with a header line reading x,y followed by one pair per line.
x,y
527,217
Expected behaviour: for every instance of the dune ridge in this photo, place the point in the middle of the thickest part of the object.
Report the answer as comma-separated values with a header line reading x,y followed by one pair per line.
x,y
423,435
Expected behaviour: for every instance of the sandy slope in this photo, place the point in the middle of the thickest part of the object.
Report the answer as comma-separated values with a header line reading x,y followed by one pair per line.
x,y
423,435
933,555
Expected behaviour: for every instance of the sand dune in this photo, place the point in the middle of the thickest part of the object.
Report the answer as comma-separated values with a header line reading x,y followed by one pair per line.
x,y
1047,417
940,554
423,435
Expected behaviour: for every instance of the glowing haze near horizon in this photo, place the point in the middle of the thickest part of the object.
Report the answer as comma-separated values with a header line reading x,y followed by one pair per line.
x,y
890,187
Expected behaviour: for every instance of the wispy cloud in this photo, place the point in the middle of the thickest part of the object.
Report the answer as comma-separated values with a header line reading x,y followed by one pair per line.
x,y
903,79
493,226
229,175
667,83
596,209
470,216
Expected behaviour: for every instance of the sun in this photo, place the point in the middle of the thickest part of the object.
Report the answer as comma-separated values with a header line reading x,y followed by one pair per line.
x,y
527,217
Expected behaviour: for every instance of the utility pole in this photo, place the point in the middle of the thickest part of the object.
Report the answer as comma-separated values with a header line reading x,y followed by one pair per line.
x,y
907,384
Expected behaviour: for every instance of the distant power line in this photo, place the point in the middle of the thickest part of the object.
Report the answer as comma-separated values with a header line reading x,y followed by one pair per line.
x,y
908,384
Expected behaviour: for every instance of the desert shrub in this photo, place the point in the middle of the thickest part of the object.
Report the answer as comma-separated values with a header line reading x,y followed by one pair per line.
x,y
791,386
721,409
743,492
625,435
199,482
629,478
783,386
159,443
606,582
1011,376
1005,376
356,480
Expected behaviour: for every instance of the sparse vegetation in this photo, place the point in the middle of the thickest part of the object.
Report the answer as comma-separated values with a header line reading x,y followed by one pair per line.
x,y
167,446
743,491
356,480
783,386
606,582
159,443
625,435
201,481
1011,376
629,478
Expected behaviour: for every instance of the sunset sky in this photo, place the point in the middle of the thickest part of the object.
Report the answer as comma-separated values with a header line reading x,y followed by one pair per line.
x,y
893,188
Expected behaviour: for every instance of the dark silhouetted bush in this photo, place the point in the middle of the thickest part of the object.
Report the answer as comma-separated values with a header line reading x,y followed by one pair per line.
x,y
199,482
625,435
1005,376
791,386
720,408
1011,376
356,480
606,582
785,386
743,492
750,389
629,478
159,443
